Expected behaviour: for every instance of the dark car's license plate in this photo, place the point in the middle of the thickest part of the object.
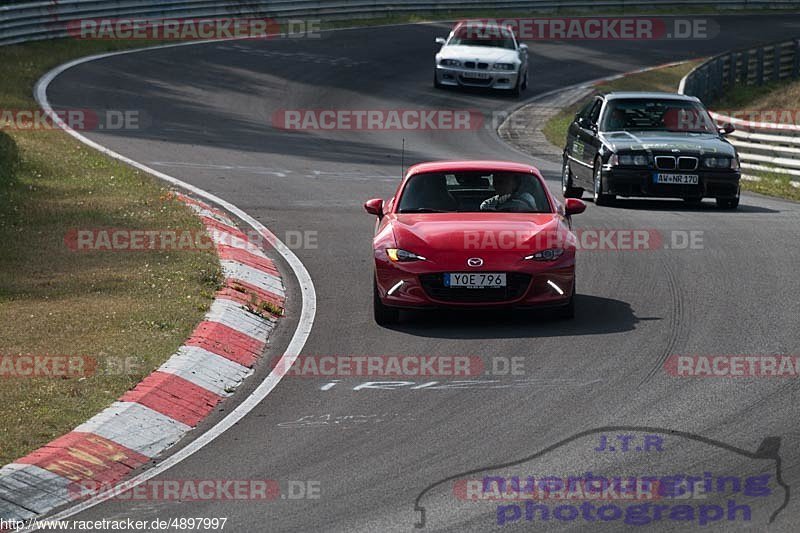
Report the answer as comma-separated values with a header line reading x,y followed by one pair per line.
x,y
676,179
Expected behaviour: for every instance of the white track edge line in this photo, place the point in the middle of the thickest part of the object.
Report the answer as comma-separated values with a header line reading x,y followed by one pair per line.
x,y
298,340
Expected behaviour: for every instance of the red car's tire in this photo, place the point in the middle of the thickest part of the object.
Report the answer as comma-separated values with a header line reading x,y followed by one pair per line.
x,y
568,311
384,315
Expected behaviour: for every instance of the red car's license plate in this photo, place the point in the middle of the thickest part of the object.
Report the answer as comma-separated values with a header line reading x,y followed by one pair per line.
x,y
475,280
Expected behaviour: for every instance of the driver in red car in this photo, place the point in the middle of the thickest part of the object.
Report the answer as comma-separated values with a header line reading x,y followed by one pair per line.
x,y
510,196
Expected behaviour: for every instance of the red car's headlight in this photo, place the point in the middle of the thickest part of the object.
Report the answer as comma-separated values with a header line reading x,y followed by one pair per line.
x,y
398,255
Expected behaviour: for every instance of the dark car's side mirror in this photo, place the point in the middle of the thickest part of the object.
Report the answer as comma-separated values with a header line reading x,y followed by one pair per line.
x,y
574,207
441,40
374,207
727,129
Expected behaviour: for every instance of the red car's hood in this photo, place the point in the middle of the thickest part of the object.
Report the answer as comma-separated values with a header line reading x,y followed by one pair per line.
x,y
470,232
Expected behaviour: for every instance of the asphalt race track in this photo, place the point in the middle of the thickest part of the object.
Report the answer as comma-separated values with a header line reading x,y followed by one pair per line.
x,y
210,109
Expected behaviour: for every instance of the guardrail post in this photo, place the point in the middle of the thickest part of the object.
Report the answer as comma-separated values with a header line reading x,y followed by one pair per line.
x,y
760,66
776,62
796,63
745,67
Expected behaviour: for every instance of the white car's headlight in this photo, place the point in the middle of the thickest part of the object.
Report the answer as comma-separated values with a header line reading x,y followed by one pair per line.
x,y
505,66
450,63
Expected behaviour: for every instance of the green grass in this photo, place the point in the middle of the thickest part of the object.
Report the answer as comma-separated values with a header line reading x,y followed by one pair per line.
x,y
784,95
663,79
773,184
132,306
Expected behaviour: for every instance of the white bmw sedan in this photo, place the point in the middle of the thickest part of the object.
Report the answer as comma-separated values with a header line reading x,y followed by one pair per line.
x,y
481,55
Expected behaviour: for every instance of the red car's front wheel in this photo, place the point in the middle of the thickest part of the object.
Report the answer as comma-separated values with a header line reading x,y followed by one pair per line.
x,y
384,315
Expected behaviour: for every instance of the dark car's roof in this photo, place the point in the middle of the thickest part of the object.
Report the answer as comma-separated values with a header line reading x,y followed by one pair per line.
x,y
648,95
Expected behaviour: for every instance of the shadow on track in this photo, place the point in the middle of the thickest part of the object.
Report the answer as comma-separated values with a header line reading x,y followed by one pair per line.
x,y
594,315
708,206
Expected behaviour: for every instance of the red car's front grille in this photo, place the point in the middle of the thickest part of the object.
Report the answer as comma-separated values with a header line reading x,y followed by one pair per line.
x,y
517,284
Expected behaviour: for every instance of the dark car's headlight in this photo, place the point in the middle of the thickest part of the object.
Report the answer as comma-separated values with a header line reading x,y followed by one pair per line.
x,y
504,66
721,162
398,255
450,63
629,160
551,254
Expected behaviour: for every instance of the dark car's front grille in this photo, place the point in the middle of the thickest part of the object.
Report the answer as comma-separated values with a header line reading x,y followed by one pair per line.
x,y
517,284
687,163
665,162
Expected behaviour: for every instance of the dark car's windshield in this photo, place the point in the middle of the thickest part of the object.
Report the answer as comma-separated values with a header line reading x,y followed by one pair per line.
x,y
470,35
656,115
472,192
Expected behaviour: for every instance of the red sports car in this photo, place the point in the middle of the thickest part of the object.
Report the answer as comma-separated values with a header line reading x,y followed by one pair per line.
x,y
467,234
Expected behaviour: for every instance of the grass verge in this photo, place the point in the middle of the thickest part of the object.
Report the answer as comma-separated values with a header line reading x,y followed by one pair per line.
x,y
129,311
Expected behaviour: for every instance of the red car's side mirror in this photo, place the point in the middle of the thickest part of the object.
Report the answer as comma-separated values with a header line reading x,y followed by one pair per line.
x,y
574,207
374,207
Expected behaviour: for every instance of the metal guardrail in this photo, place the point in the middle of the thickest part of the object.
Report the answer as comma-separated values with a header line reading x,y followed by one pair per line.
x,y
27,21
762,146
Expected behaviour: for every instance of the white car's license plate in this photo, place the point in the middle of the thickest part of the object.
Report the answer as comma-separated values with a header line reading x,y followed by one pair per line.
x,y
476,75
677,179
476,280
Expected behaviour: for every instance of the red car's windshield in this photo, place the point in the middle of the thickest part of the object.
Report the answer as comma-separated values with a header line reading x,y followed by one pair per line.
x,y
472,192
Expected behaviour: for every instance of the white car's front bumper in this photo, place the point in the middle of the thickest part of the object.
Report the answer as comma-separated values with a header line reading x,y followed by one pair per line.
x,y
461,77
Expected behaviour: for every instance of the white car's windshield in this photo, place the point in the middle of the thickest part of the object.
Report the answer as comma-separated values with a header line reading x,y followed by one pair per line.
x,y
493,37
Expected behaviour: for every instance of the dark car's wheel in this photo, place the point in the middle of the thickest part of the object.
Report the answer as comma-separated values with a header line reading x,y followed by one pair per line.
x,y
567,188
728,203
600,197
384,315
